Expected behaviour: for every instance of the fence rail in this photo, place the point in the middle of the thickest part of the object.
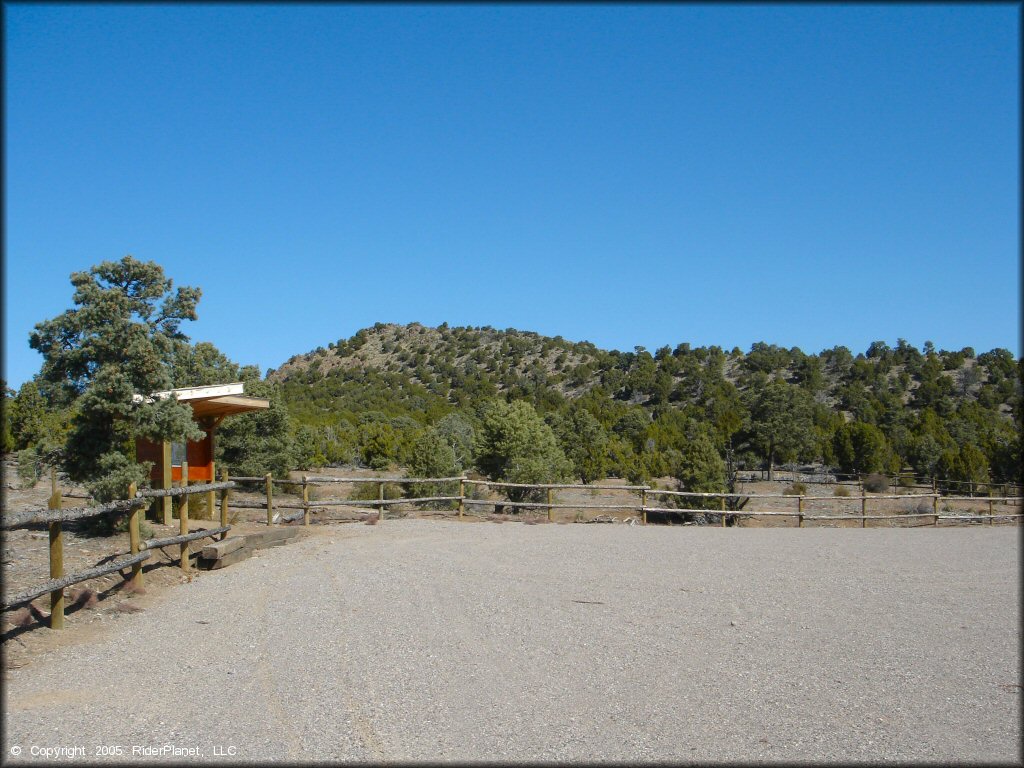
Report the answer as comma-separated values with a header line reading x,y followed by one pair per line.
x,y
194,536
55,516
902,479
723,513
75,578
60,515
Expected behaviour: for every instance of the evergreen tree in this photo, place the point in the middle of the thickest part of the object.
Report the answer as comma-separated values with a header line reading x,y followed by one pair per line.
x,y
701,468
515,444
584,442
861,448
7,437
780,421
120,340
252,444
458,434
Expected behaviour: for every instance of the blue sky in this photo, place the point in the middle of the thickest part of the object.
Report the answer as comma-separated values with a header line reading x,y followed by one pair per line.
x,y
803,175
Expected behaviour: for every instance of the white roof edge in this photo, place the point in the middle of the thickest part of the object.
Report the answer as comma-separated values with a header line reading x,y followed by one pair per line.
x,y
194,393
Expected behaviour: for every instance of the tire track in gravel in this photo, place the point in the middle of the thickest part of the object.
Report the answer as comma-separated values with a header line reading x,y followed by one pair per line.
x,y
268,681
361,720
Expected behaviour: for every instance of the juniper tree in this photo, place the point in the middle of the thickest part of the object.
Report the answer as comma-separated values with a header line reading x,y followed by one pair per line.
x,y
583,441
701,470
120,339
780,420
515,444
7,438
252,444
459,435
861,448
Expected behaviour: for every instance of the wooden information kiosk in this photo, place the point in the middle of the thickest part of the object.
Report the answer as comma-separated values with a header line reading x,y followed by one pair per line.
x,y
210,406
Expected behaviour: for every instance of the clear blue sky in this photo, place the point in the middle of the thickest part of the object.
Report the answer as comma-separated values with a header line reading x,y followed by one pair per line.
x,y
803,175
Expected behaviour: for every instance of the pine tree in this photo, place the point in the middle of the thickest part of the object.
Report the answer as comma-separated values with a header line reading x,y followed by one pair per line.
x,y
120,339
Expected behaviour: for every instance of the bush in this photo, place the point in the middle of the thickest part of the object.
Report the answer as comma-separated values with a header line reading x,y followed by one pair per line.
x,y
112,524
796,489
841,490
906,481
368,491
30,468
920,507
876,483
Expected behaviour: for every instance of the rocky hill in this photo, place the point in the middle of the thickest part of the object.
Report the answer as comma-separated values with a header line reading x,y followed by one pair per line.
x,y
447,360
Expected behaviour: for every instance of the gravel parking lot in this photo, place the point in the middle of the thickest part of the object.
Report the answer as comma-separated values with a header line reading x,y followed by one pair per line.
x,y
426,640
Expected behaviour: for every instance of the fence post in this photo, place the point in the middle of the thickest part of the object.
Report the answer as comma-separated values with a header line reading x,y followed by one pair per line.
x,y
550,510
211,496
380,497
224,503
305,501
462,496
56,556
134,537
643,504
991,510
270,499
863,507
723,511
166,483
935,508
800,511
183,515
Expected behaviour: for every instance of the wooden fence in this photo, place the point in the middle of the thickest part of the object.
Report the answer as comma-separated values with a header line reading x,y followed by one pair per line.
x,y
55,516
730,505
905,480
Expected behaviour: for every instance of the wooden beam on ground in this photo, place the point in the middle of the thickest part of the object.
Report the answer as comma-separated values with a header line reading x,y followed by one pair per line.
x,y
221,548
223,562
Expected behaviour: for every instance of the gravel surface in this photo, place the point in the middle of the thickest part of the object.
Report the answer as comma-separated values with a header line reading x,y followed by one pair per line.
x,y
431,640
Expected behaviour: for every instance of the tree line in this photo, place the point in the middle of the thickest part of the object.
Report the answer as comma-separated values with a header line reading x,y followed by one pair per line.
x,y
509,404
683,412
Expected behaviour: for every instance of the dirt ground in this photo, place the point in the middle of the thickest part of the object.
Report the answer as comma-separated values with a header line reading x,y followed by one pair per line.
x,y
91,606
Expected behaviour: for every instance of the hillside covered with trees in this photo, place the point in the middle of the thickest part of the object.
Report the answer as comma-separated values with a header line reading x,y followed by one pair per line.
x,y
511,405
951,414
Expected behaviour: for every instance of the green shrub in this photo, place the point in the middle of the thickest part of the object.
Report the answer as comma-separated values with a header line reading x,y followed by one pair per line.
x,y
109,525
368,491
796,489
906,481
876,483
30,467
841,490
